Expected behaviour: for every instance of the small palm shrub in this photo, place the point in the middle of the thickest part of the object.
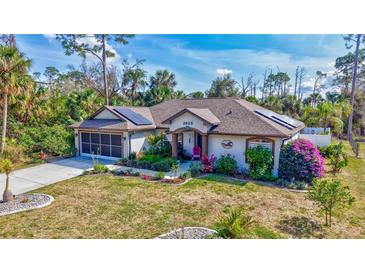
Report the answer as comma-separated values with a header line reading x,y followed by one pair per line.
x,y
226,164
185,175
260,160
300,160
234,224
159,175
194,169
337,157
100,168
158,145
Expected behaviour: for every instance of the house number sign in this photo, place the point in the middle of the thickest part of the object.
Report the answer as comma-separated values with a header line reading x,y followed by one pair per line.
x,y
227,144
187,123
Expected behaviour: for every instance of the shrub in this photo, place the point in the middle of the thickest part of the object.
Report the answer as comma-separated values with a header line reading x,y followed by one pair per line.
x,y
122,162
337,157
194,169
330,196
144,164
14,152
260,160
300,160
324,151
175,168
100,168
159,175
132,163
151,158
226,164
207,164
53,140
233,224
185,175
132,156
161,166
158,145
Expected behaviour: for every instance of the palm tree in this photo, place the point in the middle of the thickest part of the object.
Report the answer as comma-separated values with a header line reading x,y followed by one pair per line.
x,y
13,80
135,79
163,78
159,95
327,114
6,166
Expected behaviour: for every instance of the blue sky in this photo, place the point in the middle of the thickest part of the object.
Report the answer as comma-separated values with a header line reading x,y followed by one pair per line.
x,y
198,59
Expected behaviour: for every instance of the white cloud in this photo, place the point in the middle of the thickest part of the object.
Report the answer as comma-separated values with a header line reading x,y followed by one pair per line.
x,y
224,71
91,40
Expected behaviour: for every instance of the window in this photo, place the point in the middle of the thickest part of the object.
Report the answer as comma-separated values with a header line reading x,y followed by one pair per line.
x,y
109,145
260,142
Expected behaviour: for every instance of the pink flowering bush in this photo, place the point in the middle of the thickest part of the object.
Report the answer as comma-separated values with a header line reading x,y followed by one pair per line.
x,y
300,160
207,163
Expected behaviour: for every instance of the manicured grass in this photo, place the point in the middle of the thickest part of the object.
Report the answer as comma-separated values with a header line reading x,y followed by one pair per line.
x,y
106,206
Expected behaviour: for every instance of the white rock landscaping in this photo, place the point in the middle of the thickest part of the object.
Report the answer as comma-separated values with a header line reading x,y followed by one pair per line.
x,y
188,233
25,202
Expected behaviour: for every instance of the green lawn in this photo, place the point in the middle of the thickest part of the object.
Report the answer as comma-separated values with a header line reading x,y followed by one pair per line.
x,y
105,206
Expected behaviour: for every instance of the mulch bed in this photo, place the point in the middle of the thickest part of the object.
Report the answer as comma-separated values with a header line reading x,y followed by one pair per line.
x,y
25,202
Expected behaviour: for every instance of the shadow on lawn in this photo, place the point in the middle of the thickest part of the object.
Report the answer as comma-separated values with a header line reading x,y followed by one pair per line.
x,y
301,227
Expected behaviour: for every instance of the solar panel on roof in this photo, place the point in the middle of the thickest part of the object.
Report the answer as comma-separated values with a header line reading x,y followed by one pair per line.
x,y
132,116
282,120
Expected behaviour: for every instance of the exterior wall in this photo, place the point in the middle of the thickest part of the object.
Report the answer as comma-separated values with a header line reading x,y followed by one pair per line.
x,y
106,114
188,141
188,117
238,149
138,140
318,140
125,145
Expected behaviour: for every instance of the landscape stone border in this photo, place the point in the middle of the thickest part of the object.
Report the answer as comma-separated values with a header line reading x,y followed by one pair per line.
x,y
34,201
188,233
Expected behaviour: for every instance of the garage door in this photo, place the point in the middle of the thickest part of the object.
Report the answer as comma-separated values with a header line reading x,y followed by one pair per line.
x,y
107,145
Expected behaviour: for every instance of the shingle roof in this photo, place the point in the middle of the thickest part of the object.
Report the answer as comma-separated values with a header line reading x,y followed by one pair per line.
x,y
227,116
236,116
114,124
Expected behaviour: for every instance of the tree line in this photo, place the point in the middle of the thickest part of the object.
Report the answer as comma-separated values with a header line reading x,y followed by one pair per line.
x,y
53,98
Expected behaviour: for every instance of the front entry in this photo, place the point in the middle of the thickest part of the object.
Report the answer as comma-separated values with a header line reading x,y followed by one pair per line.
x,y
198,140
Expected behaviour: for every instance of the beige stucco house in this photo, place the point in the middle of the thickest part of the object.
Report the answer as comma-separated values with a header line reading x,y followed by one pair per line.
x,y
218,126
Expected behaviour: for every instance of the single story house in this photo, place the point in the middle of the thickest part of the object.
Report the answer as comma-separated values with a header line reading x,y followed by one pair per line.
x,y
218,126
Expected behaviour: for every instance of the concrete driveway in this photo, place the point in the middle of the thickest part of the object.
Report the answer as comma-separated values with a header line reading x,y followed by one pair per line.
x,y
24,180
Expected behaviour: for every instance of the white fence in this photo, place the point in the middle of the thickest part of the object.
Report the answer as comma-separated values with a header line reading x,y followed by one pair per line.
x,y
316,130
317,136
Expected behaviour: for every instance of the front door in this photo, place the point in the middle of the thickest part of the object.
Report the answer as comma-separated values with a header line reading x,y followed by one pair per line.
x,y
198,140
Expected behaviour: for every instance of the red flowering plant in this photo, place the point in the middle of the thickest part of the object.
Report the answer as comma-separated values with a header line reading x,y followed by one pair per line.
x,y
208,163
146,177
42,156
300,160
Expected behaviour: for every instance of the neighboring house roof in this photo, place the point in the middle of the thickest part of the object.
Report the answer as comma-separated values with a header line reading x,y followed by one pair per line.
x,y
202,113
226,115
